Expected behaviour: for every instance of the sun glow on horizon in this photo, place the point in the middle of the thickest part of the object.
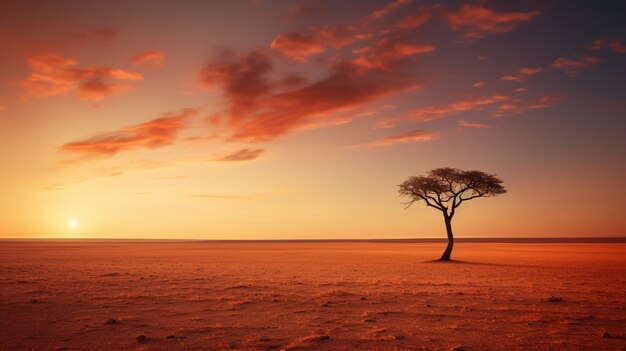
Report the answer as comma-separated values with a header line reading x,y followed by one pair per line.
x,y
72,224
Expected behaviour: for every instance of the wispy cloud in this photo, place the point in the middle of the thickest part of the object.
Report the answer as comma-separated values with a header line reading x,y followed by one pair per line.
x,y
263,108
522,74
616,45
408,137
519,106
386,53
155,57
430,113
384,11
307,8
241,155
52,75
298,46
571,66
415,20
476,21
156,133
468,124
342,35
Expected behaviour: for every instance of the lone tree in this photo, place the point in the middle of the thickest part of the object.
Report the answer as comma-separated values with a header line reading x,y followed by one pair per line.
x,y
446,189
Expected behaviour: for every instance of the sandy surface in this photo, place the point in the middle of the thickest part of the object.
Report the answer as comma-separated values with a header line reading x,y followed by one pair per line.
x,y
311,296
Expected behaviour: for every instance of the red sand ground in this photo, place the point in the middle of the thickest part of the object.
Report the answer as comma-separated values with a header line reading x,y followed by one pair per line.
x,y
76,295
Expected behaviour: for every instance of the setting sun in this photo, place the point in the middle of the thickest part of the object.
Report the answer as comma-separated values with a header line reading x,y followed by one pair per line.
x,y
72,224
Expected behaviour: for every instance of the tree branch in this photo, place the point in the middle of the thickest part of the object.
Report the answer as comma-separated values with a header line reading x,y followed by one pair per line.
x,y
428,203
461,199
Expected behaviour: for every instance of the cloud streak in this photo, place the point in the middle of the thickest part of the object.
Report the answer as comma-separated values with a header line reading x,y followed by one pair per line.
x,y
476,22
154,57
522,74
431,113
241,155
571,67
468,124
54,75
156,133
298,46
408,137
384,11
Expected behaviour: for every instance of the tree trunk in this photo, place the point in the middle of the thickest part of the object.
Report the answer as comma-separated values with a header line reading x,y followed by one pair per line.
x,y
448,252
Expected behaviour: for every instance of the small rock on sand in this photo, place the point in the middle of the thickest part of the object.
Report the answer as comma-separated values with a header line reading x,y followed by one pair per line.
x,y
141,338
606,335
457,348
111,321
170,337
555,299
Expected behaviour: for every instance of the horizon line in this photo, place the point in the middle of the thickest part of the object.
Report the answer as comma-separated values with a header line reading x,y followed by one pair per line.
x,y
599,239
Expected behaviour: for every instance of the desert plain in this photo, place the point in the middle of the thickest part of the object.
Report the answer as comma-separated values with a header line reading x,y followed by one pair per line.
x,y
195,295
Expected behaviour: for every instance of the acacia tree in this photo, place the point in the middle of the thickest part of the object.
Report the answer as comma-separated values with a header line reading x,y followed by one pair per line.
x,y
446,189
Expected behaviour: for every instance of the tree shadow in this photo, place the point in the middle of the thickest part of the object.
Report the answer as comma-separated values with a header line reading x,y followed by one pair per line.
x,y
470,263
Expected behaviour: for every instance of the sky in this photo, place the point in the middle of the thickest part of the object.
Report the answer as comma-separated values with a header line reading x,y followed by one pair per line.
x,y
298,119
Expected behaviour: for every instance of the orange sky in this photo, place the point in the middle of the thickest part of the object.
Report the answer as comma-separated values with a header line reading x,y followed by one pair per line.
x,y
297,119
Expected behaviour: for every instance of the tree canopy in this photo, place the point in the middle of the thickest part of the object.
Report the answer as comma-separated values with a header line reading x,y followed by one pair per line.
x,y
447,188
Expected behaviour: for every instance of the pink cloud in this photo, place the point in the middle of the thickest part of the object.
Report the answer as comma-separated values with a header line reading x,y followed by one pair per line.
x,y
52,75
242,155
152,134
523,73
408,137
468,124
340,36
414,21
477,22
571,67
387,52
384,11
307,9
513,78
479,84
598,44
298,46
261,108
530,71
543,102
436,112
431,113
155,57
519,106
618,46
